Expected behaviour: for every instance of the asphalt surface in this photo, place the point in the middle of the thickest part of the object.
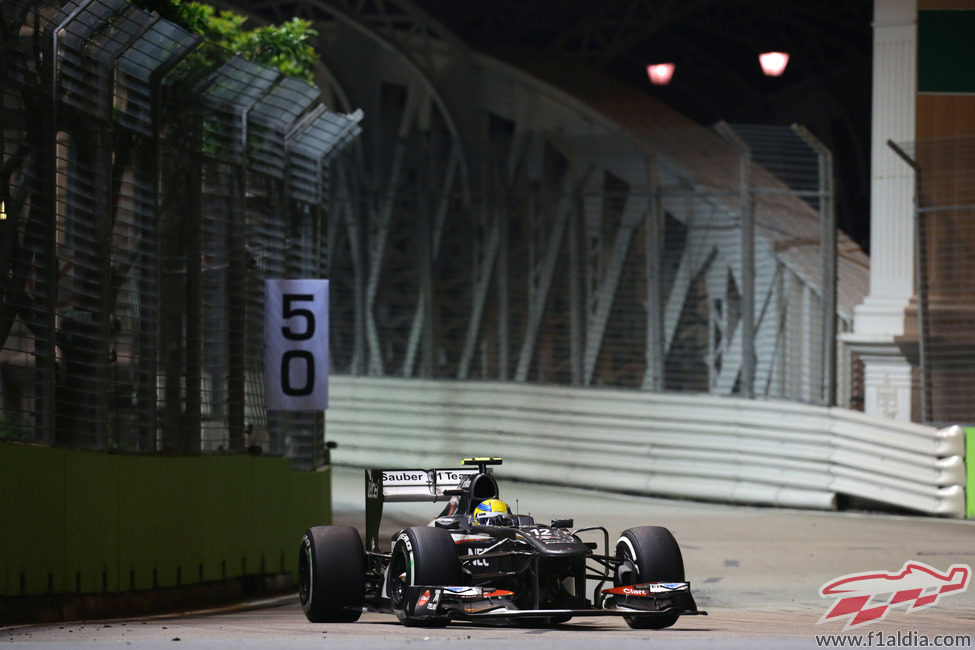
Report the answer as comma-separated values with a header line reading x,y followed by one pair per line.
x,y
757,571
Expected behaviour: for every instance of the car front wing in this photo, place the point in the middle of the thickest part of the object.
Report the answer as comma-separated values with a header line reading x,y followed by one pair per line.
x,y
487,603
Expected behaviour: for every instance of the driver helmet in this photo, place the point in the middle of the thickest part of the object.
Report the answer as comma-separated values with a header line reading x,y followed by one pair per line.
x,y
492,512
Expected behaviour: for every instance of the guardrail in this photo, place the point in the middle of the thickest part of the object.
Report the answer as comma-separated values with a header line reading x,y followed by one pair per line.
x,y
674,445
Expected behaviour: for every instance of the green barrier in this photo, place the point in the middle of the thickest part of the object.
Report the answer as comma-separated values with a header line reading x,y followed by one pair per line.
x,y
76,522
970,469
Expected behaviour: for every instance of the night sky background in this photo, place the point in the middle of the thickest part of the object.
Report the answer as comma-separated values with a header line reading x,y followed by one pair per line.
x,y
715,46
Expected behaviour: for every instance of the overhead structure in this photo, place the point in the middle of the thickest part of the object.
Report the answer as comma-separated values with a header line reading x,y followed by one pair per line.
x,y
714,45
550,225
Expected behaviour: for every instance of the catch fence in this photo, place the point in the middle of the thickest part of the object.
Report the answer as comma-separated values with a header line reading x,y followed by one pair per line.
x,y
150,183
945,267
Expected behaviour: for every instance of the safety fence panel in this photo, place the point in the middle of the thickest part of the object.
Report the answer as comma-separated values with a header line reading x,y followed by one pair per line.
x,y
701,447
146,195
945,170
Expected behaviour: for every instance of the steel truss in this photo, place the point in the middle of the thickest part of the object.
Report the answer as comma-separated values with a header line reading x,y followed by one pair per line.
x,y
494,227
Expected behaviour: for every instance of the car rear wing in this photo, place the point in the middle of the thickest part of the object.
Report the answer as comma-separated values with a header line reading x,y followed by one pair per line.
x,y
408,485
415,485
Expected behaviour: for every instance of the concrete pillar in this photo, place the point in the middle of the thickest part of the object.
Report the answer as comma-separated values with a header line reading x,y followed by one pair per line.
x,y
884,326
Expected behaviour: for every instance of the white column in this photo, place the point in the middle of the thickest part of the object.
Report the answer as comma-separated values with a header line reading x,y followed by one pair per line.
x,y
884,325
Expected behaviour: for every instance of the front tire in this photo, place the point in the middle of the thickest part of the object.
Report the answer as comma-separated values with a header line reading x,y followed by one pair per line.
x,y
421,555
649,554
331,574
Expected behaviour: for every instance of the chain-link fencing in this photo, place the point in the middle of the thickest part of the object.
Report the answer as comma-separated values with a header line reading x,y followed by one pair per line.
x,y
945,267
150,183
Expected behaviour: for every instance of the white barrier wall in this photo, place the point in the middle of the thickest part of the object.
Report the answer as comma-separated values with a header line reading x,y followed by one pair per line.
x,y
675,445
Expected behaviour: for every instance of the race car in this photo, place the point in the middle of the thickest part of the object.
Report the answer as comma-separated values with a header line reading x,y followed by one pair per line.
x,y
478,561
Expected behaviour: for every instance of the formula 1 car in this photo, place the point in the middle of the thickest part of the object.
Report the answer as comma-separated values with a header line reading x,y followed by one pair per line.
x,y
480,562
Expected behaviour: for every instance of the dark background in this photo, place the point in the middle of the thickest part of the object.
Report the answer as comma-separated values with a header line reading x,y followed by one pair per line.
x,y
715,46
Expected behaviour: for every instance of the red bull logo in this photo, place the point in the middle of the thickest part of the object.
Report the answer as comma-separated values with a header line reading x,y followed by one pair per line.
x,y
864,598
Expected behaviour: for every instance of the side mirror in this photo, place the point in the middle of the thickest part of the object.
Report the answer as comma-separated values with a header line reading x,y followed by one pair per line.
x,y
449,523
563,523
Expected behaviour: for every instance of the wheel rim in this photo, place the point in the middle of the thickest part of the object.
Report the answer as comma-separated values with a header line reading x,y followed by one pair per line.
x,y
627,571
398,577
304,571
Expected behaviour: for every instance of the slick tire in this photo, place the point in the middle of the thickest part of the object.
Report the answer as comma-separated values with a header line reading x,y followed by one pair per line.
x,y
649,554
421,555
331,574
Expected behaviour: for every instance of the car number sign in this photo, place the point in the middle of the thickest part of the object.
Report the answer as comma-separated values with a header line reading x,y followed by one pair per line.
x,y
296,344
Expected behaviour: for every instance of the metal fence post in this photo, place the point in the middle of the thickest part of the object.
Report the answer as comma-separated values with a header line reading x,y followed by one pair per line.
x,y
921,280
654,251
747,324
827,230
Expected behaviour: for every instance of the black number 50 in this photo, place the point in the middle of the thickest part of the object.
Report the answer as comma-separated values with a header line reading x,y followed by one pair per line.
x,y
288,310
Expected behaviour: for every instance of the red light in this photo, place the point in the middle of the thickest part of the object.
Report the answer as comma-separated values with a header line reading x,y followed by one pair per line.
x,y
660,73
773,63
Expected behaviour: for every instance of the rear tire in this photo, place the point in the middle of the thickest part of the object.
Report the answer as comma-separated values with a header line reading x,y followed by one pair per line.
x,y
421,555
649,554
331,574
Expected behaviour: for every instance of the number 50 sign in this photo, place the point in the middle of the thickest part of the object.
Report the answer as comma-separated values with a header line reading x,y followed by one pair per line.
x,y
296,344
